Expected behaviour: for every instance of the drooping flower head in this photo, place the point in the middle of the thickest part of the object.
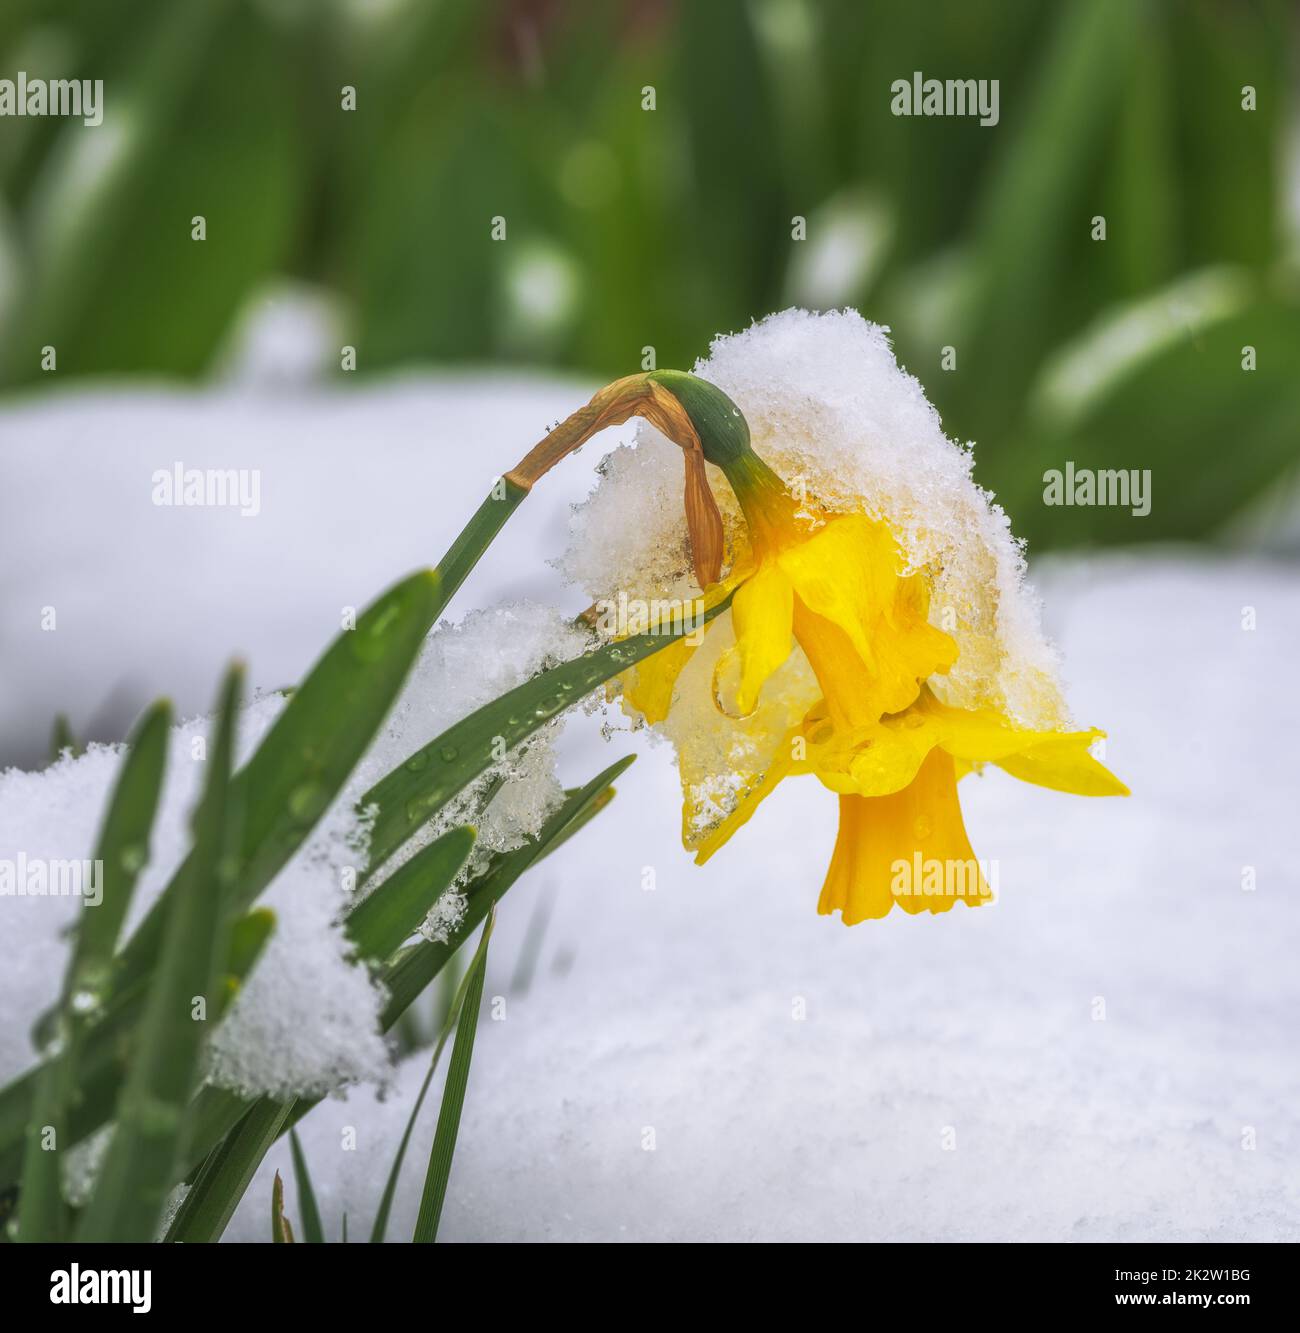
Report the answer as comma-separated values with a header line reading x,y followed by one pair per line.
x,y
853,607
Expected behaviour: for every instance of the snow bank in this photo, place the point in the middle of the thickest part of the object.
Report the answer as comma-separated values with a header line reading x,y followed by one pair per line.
x,y
1107,1054
356,488
307,1021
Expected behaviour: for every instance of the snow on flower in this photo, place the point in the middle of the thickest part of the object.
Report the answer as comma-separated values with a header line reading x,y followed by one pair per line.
x,y
880,635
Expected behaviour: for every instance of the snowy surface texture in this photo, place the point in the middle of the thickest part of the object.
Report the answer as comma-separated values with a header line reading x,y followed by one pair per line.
x,y
355,489
307,1021
1098,1049
306,1018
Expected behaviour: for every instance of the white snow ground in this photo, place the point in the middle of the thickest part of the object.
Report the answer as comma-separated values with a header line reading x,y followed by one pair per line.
x,y
355,489
952,1077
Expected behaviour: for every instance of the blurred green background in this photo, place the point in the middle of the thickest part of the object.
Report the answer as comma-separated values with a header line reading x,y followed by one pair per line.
x,y
629,227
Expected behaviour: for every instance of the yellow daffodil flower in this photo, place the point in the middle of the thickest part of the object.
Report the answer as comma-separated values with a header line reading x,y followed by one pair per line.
x,y
880,737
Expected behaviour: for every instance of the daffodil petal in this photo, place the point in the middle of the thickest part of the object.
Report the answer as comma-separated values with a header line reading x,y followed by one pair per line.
x,y
1056,759
1065,764
762,612
882,759
648,687
908,848
876,759
783,767
847,574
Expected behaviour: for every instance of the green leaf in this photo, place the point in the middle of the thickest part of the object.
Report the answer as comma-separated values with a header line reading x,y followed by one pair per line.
x,y
380,1227
248,937
217,1110
123,848
331,718
391,913
410,795
720,66
315,743
121,852
1173,413
148,1139
1033,214
226,1174
417,966
322,732
305,759
103,1062
111,260
312,1232
453,1095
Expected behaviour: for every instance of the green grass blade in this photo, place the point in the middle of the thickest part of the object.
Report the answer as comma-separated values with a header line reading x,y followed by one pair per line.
x,y
380,1228
392,912
307,756
121,852
248,937
332,717
1022,227
477,535
417,966
411,794
139,1169
226,1174
43,1215
217,1110
312,1231
453,1013
453,1095
123,847
315,743
102,1065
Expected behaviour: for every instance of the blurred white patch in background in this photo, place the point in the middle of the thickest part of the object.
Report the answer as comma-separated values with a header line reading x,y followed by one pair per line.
x,y
848,242
289,334
358,486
